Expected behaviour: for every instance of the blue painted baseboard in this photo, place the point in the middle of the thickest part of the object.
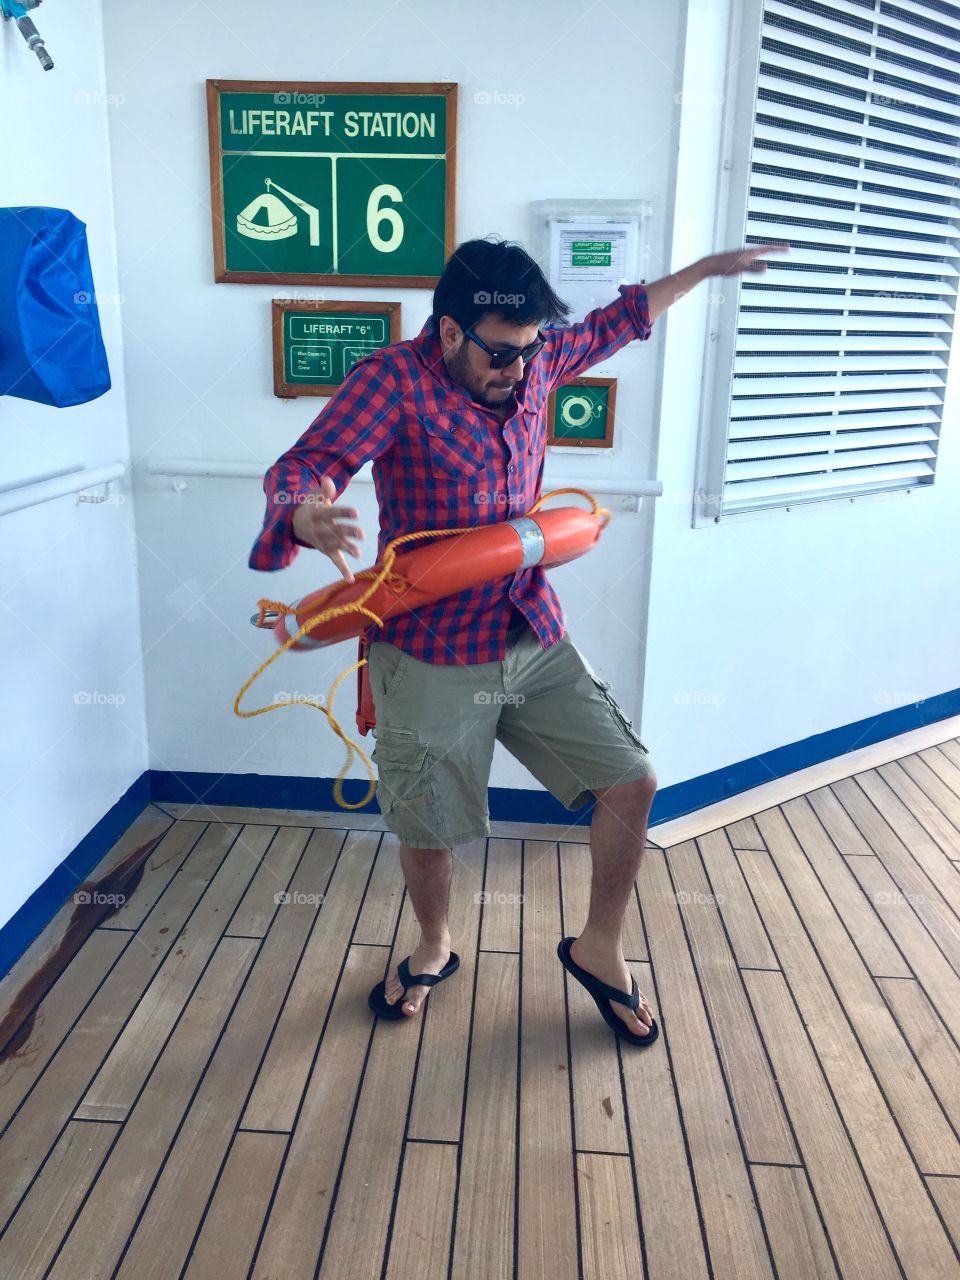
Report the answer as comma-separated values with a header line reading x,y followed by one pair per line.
x,y
274,791
44,903
268,791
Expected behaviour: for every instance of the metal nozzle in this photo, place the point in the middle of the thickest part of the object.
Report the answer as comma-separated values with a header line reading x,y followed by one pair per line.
x,y
35,42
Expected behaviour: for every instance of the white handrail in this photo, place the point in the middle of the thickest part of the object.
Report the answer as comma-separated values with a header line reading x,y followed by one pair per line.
x,y
60,486
257,470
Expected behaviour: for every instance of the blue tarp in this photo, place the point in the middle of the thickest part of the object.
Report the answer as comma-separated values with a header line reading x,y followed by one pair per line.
x,y
51,348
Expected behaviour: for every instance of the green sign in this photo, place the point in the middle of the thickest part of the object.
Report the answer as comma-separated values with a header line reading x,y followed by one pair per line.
x,y
317,343
327,347
581,411
341,182
591,246
591,259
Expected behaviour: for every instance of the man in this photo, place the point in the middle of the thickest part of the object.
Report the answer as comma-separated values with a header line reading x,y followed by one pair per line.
x,y
455,423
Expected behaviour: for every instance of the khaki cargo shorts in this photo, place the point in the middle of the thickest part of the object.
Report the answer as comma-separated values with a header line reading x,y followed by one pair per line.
x,y
437,726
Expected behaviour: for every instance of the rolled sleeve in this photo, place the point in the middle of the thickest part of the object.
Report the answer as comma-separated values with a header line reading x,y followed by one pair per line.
x,y
635,298
573,350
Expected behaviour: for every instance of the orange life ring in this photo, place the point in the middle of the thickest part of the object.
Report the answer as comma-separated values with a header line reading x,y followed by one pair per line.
x,y
417,578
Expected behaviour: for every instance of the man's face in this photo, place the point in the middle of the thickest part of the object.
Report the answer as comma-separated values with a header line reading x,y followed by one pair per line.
x,y
469,365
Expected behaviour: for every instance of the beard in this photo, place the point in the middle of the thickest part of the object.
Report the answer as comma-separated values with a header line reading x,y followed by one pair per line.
x,y
458,368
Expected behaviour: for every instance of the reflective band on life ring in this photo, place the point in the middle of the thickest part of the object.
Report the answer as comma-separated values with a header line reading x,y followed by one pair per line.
x,y
531,540
286,627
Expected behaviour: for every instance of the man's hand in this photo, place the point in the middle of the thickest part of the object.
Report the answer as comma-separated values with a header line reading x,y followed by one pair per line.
x,y
738,261
315,521
664,293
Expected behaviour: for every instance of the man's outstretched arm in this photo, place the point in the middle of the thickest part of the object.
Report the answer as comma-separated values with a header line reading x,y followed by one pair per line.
x,y
663,293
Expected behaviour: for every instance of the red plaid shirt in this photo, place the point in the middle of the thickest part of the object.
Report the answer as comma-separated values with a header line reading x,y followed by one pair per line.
x,y
442,461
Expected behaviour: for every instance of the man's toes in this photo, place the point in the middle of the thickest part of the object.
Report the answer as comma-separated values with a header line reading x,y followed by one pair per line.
x,y
413,1000
635,1022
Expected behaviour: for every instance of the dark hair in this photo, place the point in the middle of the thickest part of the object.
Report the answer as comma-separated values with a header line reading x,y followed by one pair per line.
x,y
495,276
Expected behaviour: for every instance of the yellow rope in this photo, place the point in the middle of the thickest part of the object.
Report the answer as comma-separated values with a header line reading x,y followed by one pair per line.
x,y
377,578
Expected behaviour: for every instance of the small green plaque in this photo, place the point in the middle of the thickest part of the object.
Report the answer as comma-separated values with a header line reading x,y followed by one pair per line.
x,y
317,343
581,411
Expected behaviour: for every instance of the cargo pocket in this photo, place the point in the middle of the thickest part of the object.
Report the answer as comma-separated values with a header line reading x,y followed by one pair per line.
x,y
405,783
388,665
625,723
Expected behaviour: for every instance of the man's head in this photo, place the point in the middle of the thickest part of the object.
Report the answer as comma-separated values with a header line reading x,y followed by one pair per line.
x,y
491,294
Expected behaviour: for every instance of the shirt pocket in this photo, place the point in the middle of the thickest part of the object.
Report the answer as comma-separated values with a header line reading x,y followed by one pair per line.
x,y
455,446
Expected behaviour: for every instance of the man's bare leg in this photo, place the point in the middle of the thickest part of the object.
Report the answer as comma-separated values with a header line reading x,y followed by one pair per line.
x,y
428,873
618,836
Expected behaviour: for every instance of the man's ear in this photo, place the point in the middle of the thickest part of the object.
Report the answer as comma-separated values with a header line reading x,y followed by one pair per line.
x,y
451,335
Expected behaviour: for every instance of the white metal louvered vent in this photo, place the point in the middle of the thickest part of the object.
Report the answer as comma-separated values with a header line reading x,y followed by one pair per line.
x,y
841,350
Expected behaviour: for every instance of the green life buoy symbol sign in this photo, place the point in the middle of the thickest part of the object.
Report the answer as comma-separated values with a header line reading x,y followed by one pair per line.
x,y
576,411
583,411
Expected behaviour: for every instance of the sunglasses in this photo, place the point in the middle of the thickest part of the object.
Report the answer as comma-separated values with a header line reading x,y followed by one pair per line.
x,y
503,357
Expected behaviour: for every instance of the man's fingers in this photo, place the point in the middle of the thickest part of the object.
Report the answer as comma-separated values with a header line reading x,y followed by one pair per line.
x,y
338,559
345,535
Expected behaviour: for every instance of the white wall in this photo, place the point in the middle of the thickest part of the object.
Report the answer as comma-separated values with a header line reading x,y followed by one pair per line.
x,y
755,633
766,631
199,353
68,614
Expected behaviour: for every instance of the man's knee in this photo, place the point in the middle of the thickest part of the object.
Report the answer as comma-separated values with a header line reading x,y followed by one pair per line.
x,y
635,796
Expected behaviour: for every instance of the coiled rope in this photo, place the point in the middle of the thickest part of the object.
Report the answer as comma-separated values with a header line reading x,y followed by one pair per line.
x,y
377,577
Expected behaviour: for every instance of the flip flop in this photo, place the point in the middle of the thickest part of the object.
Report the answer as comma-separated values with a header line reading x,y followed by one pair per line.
x,y
377,998
602,993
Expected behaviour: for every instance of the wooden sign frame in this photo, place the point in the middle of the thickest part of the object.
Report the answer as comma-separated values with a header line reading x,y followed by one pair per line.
x,y
389,310
293,91
586,442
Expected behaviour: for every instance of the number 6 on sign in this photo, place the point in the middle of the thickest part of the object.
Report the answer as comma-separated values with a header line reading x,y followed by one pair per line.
x,y
376,215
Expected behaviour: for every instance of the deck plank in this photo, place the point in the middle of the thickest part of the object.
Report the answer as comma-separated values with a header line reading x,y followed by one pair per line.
x,y
202,1091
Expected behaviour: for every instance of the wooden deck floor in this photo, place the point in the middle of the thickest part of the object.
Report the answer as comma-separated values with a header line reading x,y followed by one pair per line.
x,y
203,1092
